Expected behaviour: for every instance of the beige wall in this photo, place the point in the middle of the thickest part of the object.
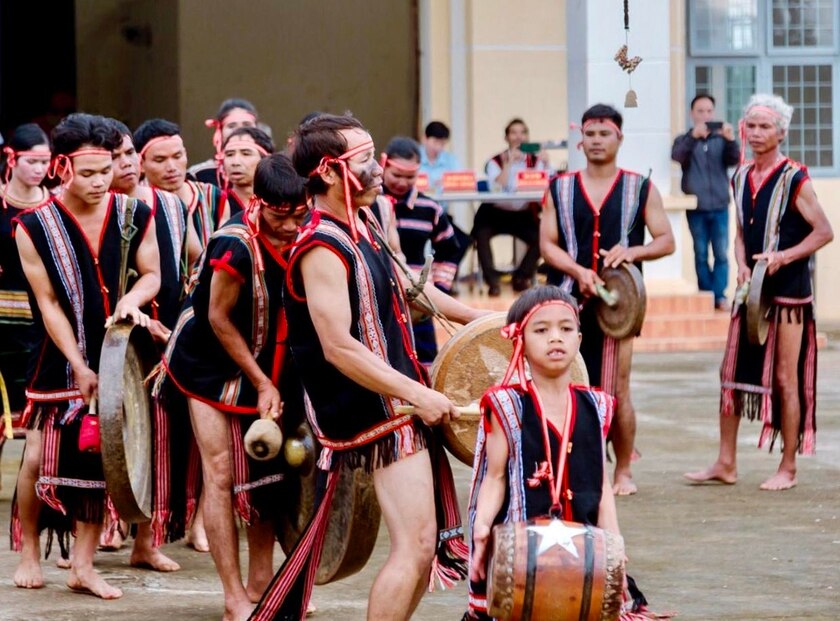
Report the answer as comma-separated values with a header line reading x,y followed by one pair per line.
x,y
289,58
127,61
517,65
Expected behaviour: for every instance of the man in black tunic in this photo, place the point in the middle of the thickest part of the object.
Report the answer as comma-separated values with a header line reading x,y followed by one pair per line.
x,y
596,218
350,335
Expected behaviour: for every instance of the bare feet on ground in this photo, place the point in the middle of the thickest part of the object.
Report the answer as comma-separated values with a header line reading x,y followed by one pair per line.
x,y
28,573
90,582
782,480
716,473
64,563
197,540
152,559
623,485
112,538
311,609
238,613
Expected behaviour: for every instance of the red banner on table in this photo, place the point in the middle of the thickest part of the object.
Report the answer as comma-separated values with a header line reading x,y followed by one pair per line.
x,y
460,181
532,180
422,183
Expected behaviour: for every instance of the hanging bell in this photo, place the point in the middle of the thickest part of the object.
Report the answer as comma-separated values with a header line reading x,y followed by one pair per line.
x,y
630,100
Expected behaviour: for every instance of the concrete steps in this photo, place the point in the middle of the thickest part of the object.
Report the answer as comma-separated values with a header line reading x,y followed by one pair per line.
x,y
683,322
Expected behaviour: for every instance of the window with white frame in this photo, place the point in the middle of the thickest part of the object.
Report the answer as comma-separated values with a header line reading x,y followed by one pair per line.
x,y
788,47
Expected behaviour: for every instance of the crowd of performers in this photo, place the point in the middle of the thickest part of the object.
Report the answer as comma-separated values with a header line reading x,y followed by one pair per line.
x,y
275,285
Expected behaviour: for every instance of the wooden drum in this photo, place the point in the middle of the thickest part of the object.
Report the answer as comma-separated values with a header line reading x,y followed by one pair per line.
x,y
551,569
471,361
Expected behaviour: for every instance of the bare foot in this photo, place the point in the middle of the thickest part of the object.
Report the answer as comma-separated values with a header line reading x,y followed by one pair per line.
x,y
782,480
197,540
64,563
152,559
623,485
716,473
311,609
635,456
112,538
239,612
28,574
89,582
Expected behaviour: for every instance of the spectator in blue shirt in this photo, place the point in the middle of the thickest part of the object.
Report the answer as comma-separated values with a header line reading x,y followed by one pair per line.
x,y
434,158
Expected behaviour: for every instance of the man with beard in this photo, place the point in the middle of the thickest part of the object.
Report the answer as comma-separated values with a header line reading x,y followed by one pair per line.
x,y
596,218
349,333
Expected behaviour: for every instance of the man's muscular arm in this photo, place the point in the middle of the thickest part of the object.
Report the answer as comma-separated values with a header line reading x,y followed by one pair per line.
x,y
224,292
147,286
55,321
328,300
820,235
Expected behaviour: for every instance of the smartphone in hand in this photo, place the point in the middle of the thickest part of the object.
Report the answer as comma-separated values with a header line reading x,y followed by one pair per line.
x,y
714,126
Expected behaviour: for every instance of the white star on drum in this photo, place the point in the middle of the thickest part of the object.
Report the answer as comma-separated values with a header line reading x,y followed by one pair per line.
x,y
557,534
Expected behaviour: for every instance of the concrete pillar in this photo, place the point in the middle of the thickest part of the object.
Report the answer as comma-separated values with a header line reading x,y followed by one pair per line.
x,y
595,31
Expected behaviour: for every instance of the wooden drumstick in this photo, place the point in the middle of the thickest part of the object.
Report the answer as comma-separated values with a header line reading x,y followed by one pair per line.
x,y
263,439
470,410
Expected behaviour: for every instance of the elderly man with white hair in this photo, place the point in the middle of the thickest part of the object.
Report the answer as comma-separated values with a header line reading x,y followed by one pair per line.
x,y
780,222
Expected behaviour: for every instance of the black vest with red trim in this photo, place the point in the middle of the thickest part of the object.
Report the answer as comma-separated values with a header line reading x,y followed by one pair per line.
x,y
344,409
85,284
170,214
195,358
583,234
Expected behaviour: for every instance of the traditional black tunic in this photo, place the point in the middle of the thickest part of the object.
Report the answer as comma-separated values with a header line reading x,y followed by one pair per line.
x,y
20,336
422,226
379,321
170,214
514,409
201,368
770,222
582,233
205,208
86,284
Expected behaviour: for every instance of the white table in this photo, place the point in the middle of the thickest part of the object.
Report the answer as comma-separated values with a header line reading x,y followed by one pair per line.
x,y
464,214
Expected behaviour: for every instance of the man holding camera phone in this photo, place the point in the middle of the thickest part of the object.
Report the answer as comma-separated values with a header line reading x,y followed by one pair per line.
x,y
705,152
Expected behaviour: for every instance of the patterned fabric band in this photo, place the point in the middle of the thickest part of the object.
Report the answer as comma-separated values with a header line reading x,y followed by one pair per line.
x,y
348,178
516,332
386,161
62,165
176,139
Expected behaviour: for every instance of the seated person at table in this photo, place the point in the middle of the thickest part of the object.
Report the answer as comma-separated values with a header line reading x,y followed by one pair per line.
x,y
434,158
517,218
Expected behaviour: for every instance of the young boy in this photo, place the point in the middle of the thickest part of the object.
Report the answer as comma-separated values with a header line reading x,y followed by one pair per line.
x,y
518,447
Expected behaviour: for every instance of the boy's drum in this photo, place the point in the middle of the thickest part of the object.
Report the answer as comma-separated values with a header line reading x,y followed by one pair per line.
x,y
550,569
471,361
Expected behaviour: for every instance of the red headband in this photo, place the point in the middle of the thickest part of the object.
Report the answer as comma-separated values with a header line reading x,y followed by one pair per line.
x,y
217,124
158,140
384,161
348,179
62,165
12,158
246,143
252,217
516,332
610,123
